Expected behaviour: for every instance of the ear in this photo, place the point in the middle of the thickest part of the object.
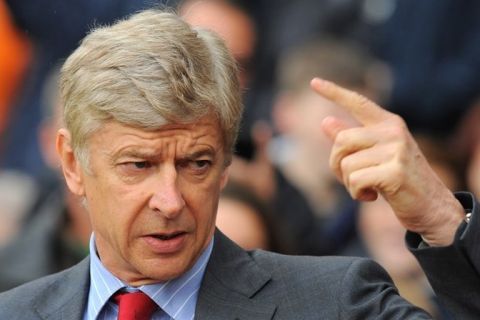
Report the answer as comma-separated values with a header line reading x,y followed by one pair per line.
x,y
71,167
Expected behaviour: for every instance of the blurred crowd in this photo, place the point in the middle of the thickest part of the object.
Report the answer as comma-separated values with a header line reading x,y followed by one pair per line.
x,y
420,59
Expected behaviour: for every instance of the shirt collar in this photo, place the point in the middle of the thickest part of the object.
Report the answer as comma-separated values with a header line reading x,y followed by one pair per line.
x,y
177,297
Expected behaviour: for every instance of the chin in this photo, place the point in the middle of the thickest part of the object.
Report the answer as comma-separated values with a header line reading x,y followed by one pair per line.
x,y
168,269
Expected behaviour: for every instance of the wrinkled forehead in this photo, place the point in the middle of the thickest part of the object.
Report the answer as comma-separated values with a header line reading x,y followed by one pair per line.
x,y
204,132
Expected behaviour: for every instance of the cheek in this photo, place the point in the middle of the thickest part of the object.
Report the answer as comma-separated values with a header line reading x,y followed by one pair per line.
x,y
202,201
113,207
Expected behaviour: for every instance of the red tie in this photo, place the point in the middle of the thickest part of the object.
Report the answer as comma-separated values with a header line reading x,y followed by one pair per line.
x,y
134,305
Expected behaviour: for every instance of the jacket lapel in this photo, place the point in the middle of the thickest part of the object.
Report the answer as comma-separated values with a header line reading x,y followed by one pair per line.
x,y
231,281
66,298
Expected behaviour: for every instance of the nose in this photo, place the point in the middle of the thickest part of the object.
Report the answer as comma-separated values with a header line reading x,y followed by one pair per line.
x,y
167,198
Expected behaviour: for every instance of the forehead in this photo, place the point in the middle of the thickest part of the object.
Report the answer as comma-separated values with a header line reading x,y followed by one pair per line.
x,y
115,137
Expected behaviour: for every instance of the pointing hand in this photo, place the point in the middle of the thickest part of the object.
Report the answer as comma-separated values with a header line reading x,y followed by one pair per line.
x,y
381,156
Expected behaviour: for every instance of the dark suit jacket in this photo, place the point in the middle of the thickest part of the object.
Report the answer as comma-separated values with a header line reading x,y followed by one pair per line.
x,y
242,285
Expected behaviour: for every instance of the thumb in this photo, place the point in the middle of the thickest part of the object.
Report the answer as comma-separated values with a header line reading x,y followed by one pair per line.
x,y
331,126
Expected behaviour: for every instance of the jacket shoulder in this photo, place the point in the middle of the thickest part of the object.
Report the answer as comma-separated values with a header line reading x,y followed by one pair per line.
x,y
23,301
313,265
340,286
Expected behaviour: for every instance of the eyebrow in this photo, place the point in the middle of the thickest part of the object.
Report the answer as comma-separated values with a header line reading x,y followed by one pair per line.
x,y
154,155
135,154
200,153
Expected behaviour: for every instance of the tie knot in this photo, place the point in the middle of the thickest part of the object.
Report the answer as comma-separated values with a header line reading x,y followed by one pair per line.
x,y
134,305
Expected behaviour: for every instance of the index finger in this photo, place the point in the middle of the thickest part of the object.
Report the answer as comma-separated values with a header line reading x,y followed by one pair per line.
x,y
363,110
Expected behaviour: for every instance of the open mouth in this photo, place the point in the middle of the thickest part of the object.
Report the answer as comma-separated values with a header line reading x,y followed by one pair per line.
x,y
166,243
167,236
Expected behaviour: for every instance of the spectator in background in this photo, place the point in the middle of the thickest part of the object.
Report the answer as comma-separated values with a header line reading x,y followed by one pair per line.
x,y
15,191
433,50
283,25
235,26
292,171
244,218
56,229
231,23
301,150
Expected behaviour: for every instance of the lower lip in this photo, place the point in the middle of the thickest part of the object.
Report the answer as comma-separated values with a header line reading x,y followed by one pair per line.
x,y
166,246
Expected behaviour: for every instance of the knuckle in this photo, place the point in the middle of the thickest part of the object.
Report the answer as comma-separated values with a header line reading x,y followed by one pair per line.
x,y
395,178
338,150
398,122
345,165
341,138
396,170
401,155
354,184
334,164
361,100
398,119
398,132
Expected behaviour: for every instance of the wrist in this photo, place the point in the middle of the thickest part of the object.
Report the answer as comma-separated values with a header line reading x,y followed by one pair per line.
x,y
442,232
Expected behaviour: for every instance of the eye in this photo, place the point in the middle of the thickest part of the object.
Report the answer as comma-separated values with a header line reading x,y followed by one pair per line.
x,y
200,164
135,165
196,167
141,164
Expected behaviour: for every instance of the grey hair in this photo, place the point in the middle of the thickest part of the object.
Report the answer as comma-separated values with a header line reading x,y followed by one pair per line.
x,y
146,71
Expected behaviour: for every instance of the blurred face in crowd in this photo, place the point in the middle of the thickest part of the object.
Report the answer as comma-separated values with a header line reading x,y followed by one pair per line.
x,y
299,117
233,25
384,237
241,223
151,195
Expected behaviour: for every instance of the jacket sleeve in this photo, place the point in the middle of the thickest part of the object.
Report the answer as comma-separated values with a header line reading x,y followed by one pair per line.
x,y
454,270
367,292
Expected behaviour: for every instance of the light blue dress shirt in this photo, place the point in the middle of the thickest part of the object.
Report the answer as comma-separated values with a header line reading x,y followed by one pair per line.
x,y
176,298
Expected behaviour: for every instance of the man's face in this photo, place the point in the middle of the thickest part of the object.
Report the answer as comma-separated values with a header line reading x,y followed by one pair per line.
x,y
152,197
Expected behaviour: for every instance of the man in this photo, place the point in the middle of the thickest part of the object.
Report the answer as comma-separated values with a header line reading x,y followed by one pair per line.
x,y
151,114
